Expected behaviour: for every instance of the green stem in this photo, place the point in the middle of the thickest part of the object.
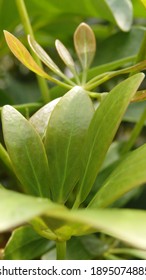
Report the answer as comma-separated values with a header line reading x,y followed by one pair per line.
x,y
61,250
100,79
135,133
28,29
142,51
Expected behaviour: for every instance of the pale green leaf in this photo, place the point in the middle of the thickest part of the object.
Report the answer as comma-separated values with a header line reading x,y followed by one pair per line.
x,y
26,152
102,130
41,118
65,134
130,173
85,44
44,57
124,224
122,11
66,56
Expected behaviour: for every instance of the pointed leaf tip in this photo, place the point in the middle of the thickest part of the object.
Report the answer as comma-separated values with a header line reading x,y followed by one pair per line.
x,y
22,54
44,57
85,44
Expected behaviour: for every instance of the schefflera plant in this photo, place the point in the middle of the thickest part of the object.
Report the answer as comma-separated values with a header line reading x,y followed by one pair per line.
x,y
58,153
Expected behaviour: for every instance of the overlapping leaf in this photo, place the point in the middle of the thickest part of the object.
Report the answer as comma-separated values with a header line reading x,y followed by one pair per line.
x,y
41,118
114,222
102,130
26,152
65,134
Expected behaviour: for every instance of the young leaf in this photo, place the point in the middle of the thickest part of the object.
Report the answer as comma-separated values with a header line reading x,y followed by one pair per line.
x,y
41,118
66,57
43,56
101,132
65,134
129,174
26,152
26,244
85,44
22,54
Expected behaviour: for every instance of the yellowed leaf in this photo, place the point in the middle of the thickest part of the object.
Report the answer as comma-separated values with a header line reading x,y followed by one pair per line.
x,y
23,54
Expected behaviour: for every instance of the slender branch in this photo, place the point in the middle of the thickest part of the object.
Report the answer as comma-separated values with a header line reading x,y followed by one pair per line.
x,y
28,29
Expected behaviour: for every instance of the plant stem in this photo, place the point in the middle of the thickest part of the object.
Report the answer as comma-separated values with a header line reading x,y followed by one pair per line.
x,y
135,133
61,250
28,29
142,51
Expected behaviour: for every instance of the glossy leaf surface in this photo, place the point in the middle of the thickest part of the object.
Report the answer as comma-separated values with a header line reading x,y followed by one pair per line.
x,y
114,222
129,174
26,244
102,130
26,152
65,134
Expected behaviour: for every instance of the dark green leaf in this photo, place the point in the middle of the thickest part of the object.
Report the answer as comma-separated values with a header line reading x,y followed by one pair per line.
x,y
26,152
102,130
26,244
65,134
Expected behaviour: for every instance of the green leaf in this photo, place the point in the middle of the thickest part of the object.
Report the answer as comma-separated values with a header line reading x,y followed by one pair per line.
x,y
129,174
119,223
26,152
101,132
26,244
23,208
85,44
41,118
65,134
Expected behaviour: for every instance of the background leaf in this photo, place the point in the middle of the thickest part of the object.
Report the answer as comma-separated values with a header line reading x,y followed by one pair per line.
x,y
101,131
65,134
26,152
122,13
130,173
